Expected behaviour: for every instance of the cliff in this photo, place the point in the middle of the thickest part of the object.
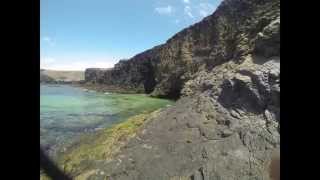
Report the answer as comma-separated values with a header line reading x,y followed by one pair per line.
x,y
230,33
226,123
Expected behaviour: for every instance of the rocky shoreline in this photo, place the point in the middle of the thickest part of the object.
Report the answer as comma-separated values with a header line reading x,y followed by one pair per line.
x,y
133,111
101,144
225,73
105,88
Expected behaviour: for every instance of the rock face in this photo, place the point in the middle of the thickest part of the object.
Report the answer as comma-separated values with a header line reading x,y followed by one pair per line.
x,y
236,28
226,124
94,75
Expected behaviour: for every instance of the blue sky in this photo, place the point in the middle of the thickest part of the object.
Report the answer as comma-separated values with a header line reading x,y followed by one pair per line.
x,y
77,34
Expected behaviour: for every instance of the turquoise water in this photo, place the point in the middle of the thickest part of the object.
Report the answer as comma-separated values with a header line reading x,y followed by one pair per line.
x,y
67,112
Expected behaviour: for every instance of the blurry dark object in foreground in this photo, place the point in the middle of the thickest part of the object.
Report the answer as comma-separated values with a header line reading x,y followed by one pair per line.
x,y
50,169
275,166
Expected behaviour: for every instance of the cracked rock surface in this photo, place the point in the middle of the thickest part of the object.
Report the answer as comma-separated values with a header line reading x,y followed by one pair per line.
x,y
226,124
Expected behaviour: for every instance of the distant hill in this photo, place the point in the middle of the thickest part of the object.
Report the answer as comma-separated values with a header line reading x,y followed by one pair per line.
x,y
64,76
45,78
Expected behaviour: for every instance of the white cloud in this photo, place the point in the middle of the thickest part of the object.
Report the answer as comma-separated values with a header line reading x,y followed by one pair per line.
x,y
49,60
164,10
206,9
82,65
187,11
186,1
74,64
48,40
46,61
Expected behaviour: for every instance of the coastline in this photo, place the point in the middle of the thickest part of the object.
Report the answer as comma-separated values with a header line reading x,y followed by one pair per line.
x,y
103,144
95,87
102,88
90,147
106,88
225,123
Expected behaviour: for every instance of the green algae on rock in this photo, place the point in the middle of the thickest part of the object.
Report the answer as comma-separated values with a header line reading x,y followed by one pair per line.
x,y
67,112
225,70
103,145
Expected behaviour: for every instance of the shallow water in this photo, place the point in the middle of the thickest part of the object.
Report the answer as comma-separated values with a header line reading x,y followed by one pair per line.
x,y
67,112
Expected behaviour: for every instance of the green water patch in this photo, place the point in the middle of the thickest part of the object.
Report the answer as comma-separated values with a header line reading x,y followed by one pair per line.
x,y
103,145
67,112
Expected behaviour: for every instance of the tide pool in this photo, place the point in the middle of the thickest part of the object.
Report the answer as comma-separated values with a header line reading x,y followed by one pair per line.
x,y
67,112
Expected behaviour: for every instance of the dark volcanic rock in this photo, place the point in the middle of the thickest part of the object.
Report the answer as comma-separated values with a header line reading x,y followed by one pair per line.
x,y
183,142
226,71
94,75
237,28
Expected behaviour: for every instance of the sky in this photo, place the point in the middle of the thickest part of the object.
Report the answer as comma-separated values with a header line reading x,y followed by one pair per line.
x,y
79,34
